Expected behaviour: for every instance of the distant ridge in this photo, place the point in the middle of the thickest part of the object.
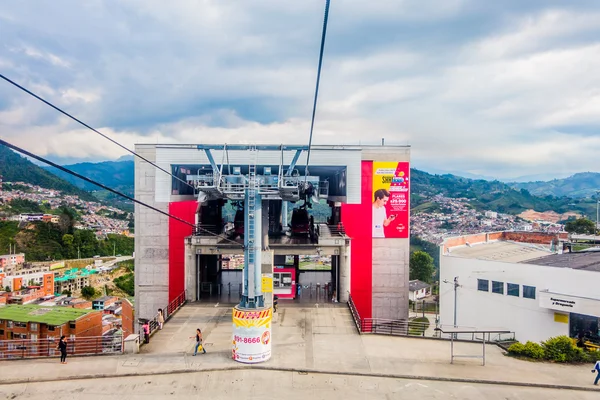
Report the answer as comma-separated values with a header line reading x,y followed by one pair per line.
x,y
16,168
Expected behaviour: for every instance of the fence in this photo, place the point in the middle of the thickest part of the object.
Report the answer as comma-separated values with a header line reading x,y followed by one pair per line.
x,y
422,306
48,347
167,312
417,327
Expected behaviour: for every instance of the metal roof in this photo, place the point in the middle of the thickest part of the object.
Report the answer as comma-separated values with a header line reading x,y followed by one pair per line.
x,y
584,261
55,316
505,251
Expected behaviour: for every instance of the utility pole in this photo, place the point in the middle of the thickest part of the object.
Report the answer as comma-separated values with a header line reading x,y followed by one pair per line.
x,y
456,286
597,203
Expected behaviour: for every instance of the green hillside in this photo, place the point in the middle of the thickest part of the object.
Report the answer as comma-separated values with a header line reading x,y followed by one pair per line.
x,y
584,184
488,195
118,175
15,168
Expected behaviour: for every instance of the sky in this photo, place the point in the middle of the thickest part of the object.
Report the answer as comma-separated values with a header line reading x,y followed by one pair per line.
x,y
497,89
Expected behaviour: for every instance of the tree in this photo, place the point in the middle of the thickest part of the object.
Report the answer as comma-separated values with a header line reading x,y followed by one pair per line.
x,y
7,288
88,292
581,226
421,266
67,292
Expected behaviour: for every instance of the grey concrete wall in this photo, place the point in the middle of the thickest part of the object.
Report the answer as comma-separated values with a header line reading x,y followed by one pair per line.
x,y
390,278
151,240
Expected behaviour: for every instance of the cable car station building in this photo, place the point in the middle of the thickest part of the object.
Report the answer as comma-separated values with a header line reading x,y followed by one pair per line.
x,y
350,203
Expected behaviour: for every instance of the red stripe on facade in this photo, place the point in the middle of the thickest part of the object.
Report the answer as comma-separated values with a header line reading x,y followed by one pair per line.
x,y
178,231
358,223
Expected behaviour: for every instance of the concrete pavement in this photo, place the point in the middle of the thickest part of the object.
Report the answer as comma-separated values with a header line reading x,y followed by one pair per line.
x,y
256,384
322,341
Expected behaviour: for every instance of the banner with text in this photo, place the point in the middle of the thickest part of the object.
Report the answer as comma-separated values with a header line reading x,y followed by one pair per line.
x,y
391,200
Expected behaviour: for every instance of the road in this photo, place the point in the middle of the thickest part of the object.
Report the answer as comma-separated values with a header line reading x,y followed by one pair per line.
x,y
256,384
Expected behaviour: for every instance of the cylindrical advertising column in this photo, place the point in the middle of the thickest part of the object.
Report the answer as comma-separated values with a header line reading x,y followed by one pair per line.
x,y
251,335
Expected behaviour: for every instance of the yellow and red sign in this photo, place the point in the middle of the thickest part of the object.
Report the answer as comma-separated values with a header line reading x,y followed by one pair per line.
x,y
251,335
391,200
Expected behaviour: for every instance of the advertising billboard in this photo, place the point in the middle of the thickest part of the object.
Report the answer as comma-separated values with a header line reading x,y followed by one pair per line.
x,y
251,335
390,199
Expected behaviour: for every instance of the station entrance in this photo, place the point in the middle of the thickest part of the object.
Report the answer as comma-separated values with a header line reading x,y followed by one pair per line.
x,y
303,272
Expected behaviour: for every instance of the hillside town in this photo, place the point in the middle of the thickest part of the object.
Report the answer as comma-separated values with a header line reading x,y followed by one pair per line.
x,y
94,216
455,217
53,292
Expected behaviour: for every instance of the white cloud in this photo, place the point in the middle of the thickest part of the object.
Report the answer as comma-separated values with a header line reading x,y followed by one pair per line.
x,y
46,56
466,86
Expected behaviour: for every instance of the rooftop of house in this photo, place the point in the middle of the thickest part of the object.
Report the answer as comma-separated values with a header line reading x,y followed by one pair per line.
x,y
55,316
506,251
416,284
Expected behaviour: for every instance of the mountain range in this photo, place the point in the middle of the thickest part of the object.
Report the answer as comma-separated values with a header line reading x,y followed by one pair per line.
x,y
583,184
560,195
16,168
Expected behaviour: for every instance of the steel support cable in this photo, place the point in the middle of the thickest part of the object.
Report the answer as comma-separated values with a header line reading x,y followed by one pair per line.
x,y
60,167
92,129
312,122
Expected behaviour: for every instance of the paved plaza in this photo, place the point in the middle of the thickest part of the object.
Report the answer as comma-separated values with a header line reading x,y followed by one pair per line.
x,y
317,346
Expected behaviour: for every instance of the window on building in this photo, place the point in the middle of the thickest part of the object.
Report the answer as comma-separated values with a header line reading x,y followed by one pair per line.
x,y
483,285
72,325
33,326
529,292
1,332
512,289
50,328
9,324
20,325
498,287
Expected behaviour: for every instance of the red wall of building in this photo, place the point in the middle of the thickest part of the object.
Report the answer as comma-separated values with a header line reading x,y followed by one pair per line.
x,y
357,220
186,210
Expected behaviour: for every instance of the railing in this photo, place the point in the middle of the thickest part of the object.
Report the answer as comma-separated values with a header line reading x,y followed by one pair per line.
x,y
355,314
167,312
418,328
207,230
48,347
393,327
337,229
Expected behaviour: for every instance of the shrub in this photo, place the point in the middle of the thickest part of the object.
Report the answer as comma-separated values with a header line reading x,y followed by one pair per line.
x,y
533,350
562,349
517,349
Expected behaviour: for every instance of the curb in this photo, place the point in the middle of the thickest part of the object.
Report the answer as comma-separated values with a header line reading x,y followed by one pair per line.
x,y
306,371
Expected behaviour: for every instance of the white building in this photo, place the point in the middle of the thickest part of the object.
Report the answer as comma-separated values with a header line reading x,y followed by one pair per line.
x,y
491,214
418,289
521,287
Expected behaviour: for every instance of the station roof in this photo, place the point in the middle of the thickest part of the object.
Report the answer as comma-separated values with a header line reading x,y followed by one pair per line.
x,y
505,251
584,261
44,315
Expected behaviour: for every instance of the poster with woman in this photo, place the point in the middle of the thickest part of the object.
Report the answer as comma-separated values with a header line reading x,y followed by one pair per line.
x,y
391,203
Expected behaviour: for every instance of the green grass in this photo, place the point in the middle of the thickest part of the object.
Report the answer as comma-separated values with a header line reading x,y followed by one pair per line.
x,y
417,326
55,316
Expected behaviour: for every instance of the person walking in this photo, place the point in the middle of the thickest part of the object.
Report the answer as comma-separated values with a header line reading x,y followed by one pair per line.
x,y
146,329
62,346
160,319
597,371
198,342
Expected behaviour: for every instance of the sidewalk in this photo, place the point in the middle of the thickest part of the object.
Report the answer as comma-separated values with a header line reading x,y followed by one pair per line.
x,y
320,340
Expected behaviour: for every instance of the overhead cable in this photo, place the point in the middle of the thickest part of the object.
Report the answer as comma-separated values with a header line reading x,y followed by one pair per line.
x,y
312,122
60,167
89,127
